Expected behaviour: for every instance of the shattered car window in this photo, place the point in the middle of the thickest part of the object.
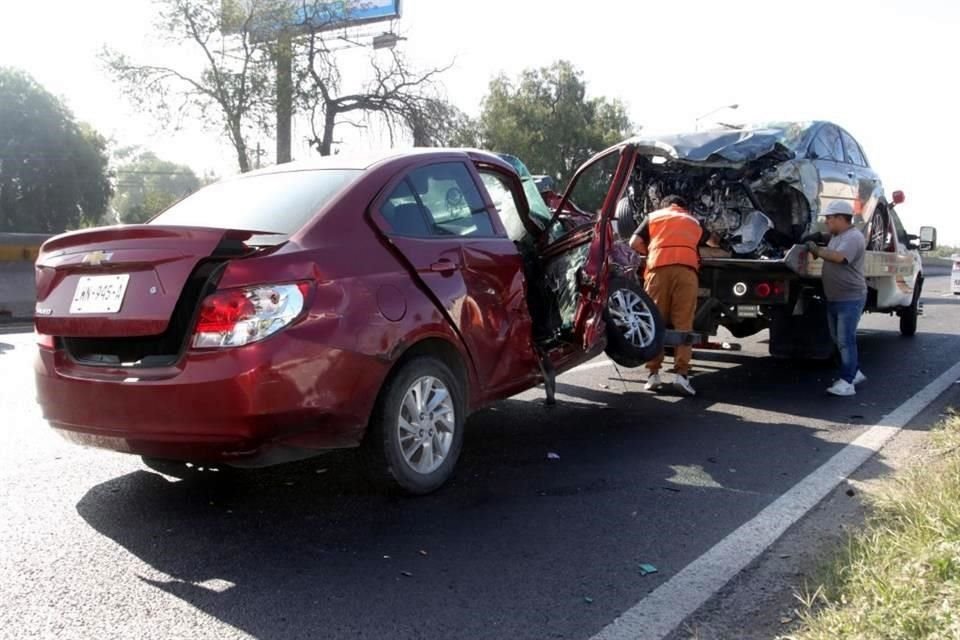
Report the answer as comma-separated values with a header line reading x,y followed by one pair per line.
x,y
562,276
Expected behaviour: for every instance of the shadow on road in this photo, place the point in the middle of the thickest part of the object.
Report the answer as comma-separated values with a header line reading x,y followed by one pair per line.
x,y
517,543
4,347
511,548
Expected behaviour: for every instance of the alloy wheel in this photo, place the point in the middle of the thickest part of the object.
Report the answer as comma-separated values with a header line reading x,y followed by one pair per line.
x,y
426,424
632,317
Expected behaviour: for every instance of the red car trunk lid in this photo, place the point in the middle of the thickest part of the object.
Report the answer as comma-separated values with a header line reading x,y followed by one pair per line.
x,y
157,261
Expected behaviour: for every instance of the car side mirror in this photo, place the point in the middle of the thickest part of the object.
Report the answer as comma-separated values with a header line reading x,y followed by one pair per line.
x,y
928,238
898,197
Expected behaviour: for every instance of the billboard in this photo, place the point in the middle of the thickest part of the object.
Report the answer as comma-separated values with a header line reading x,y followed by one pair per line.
x,y
269,18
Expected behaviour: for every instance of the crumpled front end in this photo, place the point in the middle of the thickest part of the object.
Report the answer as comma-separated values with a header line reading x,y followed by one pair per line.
x,y
748,186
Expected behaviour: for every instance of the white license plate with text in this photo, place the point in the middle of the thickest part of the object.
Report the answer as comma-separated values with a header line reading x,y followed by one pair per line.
x,y
99,294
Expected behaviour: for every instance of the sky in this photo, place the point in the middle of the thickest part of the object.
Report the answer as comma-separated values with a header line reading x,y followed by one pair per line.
x,y
886,70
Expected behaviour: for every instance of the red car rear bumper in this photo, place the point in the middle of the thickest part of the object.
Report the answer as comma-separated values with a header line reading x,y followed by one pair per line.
x,y
264,403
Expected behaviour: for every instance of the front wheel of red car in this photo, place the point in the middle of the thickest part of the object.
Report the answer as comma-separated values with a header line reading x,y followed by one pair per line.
x,y
635,330
416,431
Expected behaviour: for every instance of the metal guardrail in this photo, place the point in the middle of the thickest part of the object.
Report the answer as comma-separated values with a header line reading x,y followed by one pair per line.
x,y
21,247
18,252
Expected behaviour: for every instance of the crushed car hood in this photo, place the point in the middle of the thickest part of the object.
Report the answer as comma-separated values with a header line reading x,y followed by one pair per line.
x,y
727,147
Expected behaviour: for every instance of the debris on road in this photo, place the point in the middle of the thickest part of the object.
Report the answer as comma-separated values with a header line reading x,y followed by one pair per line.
x,y
553,456
647,569
406,574
423,553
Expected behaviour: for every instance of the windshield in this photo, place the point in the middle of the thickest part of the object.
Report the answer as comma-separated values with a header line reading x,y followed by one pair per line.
x,y
279,203
792,135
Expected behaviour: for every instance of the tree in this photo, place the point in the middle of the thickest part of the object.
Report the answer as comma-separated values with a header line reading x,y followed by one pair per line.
x,y
53,169
396,93
146,185
238,48
440,124
546,119
232,88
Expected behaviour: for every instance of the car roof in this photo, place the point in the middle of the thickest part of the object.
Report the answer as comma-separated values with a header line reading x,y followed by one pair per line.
x,y
365,160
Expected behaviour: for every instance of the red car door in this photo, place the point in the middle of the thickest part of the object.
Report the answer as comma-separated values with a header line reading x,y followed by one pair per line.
x,y
443,224
594,190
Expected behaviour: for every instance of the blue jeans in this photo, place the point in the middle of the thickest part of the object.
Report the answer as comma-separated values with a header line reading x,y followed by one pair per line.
x,y
843,318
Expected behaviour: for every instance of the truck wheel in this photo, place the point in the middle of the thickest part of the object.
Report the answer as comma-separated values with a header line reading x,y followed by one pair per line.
x,y
908,316
416,430
635,330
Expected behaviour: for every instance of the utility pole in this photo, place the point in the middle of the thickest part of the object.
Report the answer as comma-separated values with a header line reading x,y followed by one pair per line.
x,y
284,96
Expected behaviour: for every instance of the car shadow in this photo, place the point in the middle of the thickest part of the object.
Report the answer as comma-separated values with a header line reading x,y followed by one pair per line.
x,y
513,547
4,347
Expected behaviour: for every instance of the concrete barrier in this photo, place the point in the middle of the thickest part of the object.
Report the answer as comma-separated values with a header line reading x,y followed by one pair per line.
x,y
18,252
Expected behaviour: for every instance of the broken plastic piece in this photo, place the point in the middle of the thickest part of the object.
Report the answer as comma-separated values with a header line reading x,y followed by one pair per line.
x,y
647,569
553,456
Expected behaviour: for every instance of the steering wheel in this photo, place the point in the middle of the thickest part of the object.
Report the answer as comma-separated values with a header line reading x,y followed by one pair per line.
x,y
454,198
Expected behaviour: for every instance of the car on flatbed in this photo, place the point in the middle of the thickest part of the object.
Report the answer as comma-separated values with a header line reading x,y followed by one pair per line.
x,y
762,189
340,303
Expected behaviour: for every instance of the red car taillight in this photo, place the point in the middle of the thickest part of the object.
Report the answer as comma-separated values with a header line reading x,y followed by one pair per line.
x,y
235,317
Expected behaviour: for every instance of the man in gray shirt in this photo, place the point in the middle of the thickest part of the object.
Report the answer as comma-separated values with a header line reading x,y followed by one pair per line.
x,y
846,290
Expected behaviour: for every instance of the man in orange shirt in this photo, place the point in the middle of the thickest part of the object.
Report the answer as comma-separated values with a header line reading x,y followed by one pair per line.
x,y
671,239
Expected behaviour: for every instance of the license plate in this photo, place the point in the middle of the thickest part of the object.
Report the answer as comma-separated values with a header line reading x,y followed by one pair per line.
x,y
99,294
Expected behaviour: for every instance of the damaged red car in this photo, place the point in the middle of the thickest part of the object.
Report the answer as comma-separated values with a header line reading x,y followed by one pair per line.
x,y
343,303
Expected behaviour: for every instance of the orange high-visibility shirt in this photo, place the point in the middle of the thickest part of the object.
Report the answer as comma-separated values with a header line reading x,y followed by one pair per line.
x,y
673,237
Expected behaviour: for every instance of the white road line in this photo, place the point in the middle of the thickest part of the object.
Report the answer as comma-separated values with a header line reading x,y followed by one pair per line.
x,y
671,603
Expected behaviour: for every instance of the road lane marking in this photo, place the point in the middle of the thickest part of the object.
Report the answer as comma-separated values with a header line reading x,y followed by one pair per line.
x,y
667,606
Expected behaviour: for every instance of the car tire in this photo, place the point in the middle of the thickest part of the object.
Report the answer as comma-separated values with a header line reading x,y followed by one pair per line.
x,y
626,220
877,229
400,447
635,329
908,316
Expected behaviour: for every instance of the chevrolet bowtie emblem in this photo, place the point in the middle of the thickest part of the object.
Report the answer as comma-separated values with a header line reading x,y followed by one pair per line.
x,y
95,258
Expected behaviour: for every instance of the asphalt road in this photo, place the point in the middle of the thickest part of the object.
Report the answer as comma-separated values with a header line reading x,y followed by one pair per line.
x,y
518,546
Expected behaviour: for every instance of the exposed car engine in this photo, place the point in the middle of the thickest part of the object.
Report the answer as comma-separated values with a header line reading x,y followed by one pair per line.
x,y
761,224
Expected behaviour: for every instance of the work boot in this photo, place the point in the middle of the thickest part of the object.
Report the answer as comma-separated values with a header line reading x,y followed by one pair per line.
x,y
859,378
682,384
653,382
842,388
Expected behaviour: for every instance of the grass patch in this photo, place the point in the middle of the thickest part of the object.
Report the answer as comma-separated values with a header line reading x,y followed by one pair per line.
x,y
900,576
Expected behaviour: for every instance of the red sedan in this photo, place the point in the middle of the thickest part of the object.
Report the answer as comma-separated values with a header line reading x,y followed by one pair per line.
x,y
373,304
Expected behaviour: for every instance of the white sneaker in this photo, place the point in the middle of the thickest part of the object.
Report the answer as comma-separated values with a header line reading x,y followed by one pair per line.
x,y
682,384
859,378
653,382
842,388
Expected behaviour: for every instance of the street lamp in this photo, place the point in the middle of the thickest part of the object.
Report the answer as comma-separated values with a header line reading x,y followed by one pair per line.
x,y
696,126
